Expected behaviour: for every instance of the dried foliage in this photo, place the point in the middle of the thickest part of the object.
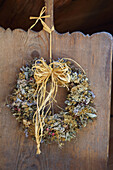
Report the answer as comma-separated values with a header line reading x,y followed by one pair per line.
x,y
61,126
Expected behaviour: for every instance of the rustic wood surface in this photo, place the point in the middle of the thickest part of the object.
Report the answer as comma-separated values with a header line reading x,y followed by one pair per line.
x,y
90,149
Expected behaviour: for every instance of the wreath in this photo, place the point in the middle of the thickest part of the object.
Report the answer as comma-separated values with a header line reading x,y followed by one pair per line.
x,y
31,101
61,126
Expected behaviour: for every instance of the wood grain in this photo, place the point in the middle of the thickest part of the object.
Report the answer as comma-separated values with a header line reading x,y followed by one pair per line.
x,y
49,5
90,149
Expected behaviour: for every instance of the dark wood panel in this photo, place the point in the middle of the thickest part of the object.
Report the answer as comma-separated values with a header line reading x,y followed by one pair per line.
x,y
87,16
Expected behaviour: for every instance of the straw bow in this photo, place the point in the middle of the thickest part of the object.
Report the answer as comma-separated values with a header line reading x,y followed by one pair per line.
x,y
59,72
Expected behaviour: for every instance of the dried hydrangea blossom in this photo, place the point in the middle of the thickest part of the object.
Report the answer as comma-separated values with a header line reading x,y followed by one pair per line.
x,y
61,126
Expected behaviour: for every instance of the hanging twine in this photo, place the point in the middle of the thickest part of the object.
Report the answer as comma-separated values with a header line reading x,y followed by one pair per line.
x,y
45,27
58,72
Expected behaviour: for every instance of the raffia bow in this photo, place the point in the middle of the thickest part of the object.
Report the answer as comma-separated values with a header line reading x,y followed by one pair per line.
x,y
59,73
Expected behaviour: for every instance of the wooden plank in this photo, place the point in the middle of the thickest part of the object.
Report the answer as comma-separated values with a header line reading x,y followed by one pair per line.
x,y
49,5
90,149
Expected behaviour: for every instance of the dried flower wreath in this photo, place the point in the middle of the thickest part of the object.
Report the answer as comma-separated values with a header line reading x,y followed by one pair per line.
x,y
31,102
